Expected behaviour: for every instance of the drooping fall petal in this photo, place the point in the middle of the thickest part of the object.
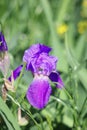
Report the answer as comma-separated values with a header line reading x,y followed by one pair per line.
x,y
39,92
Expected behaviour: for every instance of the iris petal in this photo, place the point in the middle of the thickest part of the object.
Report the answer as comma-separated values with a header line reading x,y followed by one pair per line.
x,y
39,92
44,48
46,63
31,55
3,44
55,77
16,72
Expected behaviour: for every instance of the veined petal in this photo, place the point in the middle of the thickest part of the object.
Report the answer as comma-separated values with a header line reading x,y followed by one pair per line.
x,y
39,92
55,77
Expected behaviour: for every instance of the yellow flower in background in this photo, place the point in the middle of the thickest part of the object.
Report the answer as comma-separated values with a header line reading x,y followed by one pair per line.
x,y
82,26
62,29
84,3
84,9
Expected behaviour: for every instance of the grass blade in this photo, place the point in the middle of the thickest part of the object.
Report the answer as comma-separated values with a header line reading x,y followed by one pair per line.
x,y
6,111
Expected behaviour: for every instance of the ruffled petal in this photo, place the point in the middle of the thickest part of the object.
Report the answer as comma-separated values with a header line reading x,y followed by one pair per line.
x,y
36,49
39,92
55,77
46,63
31,55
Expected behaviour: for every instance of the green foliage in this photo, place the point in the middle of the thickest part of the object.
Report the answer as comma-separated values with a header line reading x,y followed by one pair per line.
x,y
25,22
8,117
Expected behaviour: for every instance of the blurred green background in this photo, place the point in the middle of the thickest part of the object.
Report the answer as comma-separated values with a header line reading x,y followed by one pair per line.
x,y
62,25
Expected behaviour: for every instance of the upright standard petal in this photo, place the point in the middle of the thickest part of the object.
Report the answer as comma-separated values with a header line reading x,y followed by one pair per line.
x,y
55,77
39,92
32,54
16,72
44,48
36,49
45,64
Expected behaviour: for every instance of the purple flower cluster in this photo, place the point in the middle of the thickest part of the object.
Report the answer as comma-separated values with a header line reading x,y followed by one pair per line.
x,y
43,67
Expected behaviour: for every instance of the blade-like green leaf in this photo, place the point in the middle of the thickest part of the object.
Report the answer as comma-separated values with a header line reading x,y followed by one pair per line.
x,y
62,11
10,118
10,127
80,71
80,47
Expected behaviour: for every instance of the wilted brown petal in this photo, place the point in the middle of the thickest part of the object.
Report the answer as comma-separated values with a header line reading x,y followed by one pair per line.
x,y
4,63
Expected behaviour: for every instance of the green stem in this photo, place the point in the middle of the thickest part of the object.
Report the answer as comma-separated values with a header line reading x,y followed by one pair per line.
x,y
63,10
1,27
41,120
67,93
27,112
13,100
84,104
1,80
74,108
65,90
20,76
59,100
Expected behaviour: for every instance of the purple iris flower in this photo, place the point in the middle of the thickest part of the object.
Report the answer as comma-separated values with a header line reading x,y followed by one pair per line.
x,y
3,44
16,73
43,67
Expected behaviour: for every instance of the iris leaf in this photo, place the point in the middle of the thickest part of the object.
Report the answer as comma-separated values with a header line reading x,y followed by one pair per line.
x,y
8,116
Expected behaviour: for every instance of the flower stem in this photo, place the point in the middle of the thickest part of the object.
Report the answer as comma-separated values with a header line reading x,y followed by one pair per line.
x,y
27,112
68,93
20,76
